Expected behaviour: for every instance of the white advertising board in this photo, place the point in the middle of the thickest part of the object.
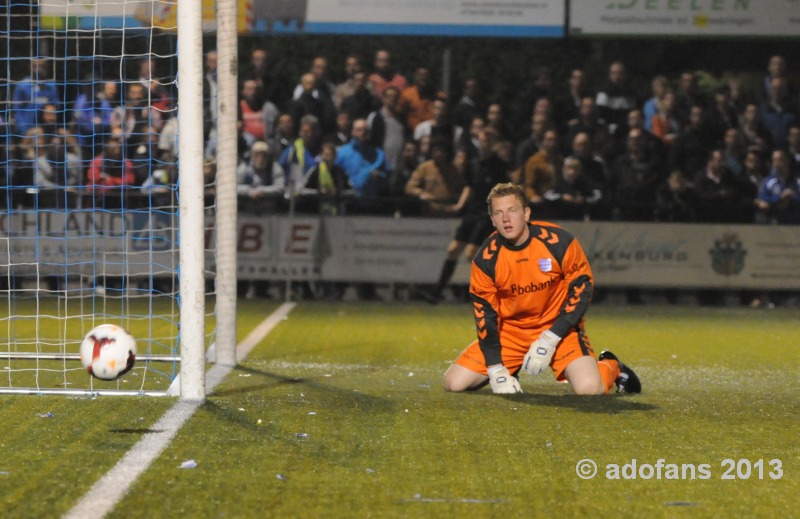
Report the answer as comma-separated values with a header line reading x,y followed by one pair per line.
x,y
392,250
504,18
88,243
685,17
343,249
411,250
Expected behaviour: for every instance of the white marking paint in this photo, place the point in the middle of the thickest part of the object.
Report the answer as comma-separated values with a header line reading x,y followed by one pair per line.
x,y
112,487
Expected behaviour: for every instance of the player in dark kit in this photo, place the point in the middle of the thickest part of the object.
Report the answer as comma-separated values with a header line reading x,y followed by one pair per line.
x,y
531,285
483,172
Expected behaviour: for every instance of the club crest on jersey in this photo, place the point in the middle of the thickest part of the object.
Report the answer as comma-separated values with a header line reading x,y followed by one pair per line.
x,y
545,264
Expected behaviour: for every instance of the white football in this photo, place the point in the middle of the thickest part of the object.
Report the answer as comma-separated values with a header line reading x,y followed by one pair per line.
x,y
108,352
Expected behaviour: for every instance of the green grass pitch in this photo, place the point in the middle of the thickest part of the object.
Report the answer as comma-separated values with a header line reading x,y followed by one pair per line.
x,y
339,412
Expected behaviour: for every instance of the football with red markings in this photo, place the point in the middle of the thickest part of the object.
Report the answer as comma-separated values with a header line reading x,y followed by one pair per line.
x,y
108,352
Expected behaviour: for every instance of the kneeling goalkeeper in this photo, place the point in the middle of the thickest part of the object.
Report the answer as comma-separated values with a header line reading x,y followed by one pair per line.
x,y
530,285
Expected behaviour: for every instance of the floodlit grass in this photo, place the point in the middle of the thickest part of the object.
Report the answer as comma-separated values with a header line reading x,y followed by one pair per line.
x,y
339,412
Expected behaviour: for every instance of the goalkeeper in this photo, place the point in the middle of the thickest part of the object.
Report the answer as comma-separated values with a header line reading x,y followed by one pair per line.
x,y
530,286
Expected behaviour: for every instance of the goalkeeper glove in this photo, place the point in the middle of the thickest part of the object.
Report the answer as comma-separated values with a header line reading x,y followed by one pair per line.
x,y
538,357
502,381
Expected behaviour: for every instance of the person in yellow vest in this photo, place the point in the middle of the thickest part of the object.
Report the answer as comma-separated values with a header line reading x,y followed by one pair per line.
x,y
298,159
329,180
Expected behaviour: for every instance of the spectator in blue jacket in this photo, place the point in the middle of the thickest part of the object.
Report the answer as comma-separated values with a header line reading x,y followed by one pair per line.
x,y
31,94
779,194
364,163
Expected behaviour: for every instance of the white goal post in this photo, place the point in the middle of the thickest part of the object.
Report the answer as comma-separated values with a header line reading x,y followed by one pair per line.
x,y
191,196
74,254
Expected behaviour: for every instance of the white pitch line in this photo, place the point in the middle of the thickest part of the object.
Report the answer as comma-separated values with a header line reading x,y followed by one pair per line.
x,y
112,487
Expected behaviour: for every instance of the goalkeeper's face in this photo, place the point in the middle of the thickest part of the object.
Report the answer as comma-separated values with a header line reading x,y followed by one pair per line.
x,y
510,218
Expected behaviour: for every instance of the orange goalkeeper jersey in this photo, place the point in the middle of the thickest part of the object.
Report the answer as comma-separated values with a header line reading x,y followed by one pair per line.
x,y
545,283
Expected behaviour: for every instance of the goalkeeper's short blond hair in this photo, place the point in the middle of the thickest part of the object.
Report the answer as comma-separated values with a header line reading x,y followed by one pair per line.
x,y
506,189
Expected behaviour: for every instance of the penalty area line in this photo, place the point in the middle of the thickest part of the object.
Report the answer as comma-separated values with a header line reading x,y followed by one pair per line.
x,y
112,487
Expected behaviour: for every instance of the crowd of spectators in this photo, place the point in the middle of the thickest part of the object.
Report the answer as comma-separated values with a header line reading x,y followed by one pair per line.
x,y
378,142
104,147
394,144
582,152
